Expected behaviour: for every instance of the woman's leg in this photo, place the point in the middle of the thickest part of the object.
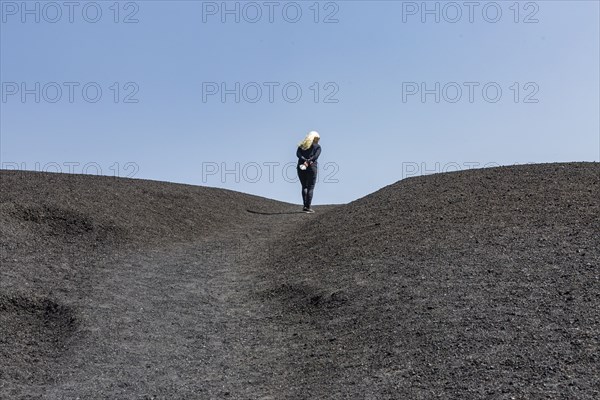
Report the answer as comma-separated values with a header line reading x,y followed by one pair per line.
x,y
302,175
311,181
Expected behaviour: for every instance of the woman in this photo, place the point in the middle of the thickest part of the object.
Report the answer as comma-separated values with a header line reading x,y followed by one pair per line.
x,y
308,152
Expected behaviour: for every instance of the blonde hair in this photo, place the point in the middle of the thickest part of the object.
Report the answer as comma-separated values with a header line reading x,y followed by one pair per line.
x,y
308,140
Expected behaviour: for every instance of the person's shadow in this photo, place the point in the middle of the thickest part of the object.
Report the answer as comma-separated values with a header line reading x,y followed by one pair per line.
x,y
274,213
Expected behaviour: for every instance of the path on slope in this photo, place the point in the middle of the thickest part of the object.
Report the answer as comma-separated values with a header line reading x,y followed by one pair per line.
x,y
182,321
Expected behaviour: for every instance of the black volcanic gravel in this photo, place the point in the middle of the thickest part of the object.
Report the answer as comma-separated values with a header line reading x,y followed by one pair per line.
x,y
480,284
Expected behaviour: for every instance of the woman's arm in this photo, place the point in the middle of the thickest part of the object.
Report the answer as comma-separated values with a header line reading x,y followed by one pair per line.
x,y
299,154
316,155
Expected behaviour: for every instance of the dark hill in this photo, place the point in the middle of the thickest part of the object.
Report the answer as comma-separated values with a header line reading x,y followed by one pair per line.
x,y
73,246
101,208
474,284
481,284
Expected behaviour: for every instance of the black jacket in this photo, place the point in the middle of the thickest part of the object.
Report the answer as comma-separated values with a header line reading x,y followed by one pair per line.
x,y
310,154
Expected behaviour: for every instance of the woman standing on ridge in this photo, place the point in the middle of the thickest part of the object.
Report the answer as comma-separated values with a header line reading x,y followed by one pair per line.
x,y
308,152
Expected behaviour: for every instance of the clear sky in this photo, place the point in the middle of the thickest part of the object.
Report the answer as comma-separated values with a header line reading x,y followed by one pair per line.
x,y
220,93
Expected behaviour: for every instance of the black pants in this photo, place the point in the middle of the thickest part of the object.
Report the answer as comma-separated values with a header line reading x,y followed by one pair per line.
x,y
308,179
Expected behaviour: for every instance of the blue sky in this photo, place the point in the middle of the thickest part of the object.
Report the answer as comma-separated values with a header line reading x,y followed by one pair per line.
x,y
527,74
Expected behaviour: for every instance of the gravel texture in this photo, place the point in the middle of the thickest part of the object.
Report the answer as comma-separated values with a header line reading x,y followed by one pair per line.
x,y
479,284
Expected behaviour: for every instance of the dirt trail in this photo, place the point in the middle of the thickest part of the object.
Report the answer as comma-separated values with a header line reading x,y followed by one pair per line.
x,y
183,318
